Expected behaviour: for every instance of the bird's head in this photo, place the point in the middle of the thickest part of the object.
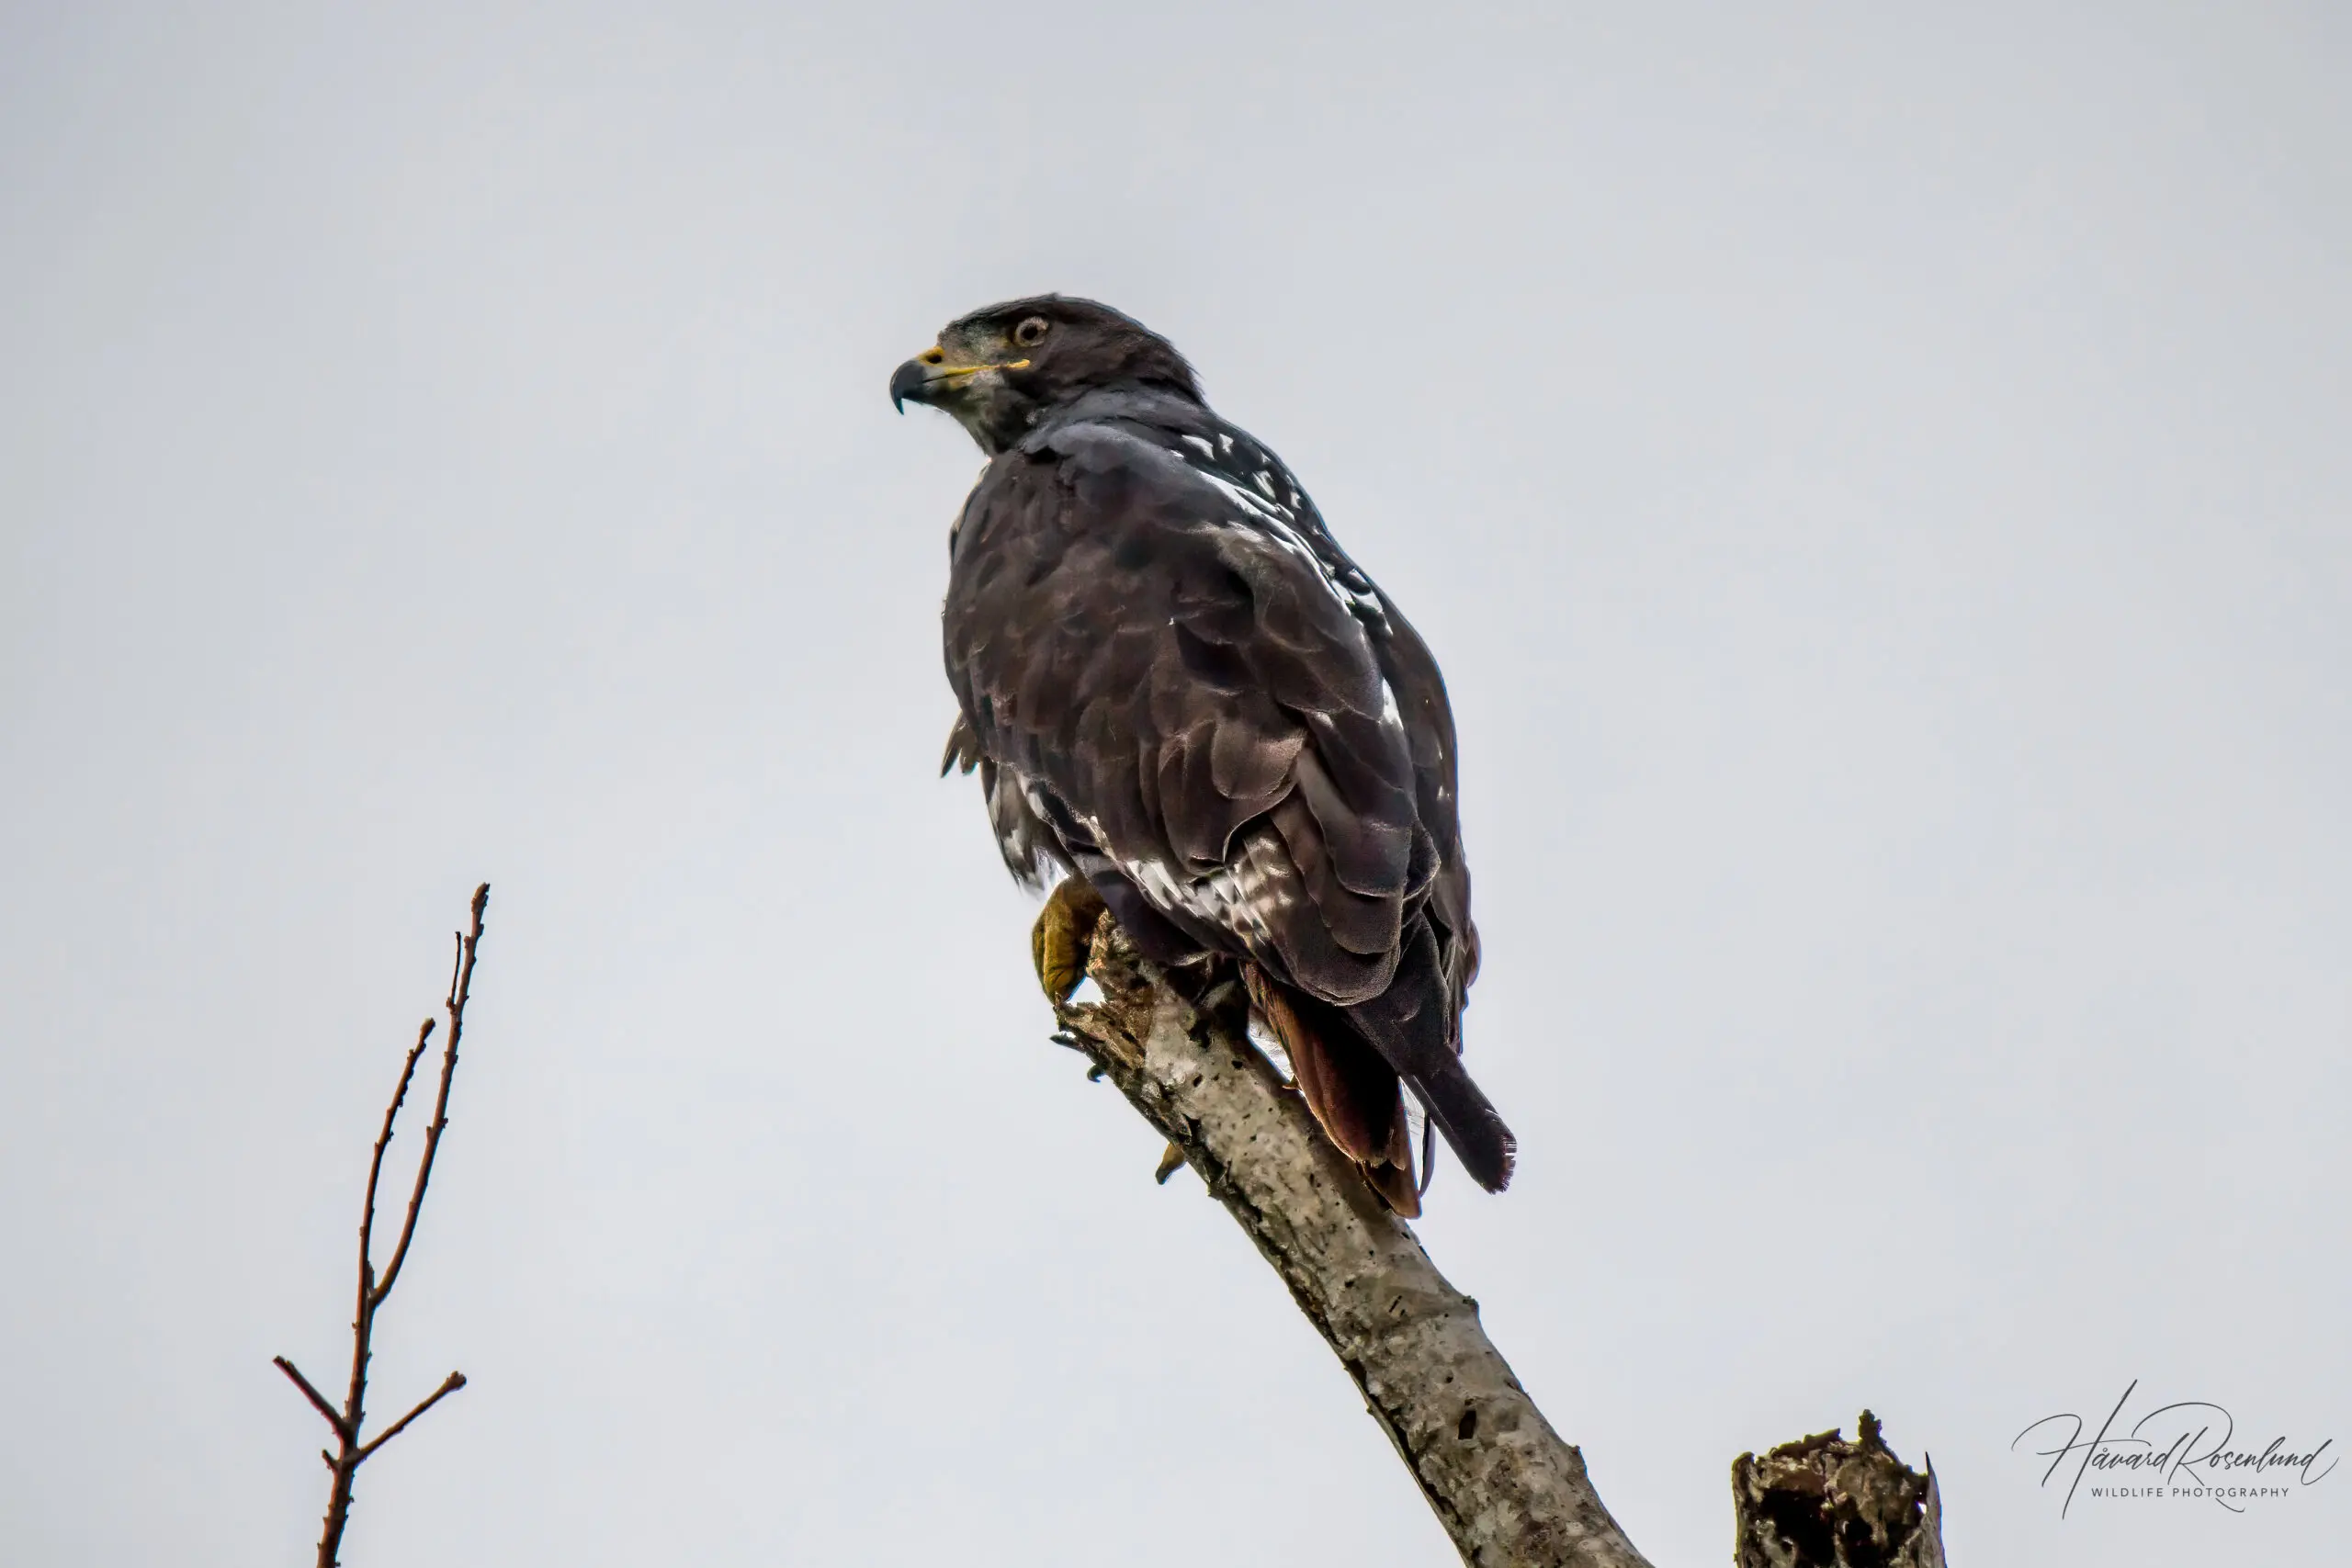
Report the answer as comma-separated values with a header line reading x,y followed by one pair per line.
x,y
1001,369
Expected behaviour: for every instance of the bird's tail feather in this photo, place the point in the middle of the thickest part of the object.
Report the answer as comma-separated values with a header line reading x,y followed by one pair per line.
x,y
1474,1130
1354,1095
1415,1026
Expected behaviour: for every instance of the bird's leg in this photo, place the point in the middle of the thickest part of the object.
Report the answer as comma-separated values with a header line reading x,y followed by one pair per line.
x,y
1059,945
1064,928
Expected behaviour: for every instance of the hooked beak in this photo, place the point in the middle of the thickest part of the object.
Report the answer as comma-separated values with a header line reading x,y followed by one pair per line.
x,y
928,377
910,380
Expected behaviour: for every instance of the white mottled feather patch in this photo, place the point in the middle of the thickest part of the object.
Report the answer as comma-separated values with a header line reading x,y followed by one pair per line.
x,y
1238,897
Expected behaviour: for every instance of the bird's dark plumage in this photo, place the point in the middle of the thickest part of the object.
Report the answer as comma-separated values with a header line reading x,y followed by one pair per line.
x,y
1175,684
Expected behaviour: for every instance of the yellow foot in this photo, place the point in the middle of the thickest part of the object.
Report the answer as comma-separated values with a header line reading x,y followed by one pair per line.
x,y
1064,932
1171,1160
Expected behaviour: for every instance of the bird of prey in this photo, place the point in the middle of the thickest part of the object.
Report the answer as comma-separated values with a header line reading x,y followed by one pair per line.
x,y
1186,703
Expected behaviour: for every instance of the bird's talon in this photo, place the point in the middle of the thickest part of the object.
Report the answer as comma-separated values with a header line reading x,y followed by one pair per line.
x,y
1171,1159
1059,943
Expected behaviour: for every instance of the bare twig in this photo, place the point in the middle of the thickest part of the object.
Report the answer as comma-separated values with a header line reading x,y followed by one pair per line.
x,y
449,1384
368,1291
462,980
318,1400
372,1291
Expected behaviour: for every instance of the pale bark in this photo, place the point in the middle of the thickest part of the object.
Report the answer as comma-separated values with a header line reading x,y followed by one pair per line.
x,y
1505,1486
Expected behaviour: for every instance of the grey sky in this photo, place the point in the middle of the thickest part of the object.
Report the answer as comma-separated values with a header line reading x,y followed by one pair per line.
x,y
1878,483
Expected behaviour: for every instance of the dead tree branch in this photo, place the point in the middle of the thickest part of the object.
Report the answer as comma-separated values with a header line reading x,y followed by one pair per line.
x,y
351,1452
1822,1502
1508,1490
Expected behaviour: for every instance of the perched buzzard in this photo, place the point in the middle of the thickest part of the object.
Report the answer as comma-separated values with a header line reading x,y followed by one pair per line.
x,y
1185,700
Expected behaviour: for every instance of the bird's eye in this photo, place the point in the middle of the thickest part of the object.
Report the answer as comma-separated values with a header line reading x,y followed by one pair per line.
x,y
1031,333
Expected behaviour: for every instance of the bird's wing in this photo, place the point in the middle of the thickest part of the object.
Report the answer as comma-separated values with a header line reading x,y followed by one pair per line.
x,y
1182,687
